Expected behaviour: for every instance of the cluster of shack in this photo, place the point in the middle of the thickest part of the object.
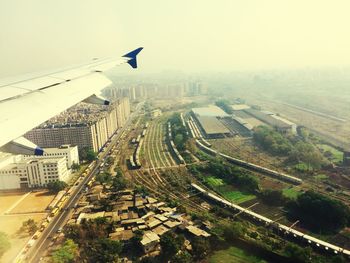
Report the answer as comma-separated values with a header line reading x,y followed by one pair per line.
x,y
130,212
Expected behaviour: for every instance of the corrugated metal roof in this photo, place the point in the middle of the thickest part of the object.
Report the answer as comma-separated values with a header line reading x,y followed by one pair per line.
x,y
210,111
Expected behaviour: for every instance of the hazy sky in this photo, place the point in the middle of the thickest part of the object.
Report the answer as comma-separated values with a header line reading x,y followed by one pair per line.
x,y
188,35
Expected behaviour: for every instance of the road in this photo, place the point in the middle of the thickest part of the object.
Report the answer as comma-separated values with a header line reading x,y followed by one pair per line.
x,y
43,242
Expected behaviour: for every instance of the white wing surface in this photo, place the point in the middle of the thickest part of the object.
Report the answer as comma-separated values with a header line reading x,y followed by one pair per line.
x,y
26,104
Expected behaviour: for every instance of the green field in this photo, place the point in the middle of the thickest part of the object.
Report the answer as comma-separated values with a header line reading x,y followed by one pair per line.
x,y
302,167
337,155
234,255
237,196
213,181
321,177
291,193
227,191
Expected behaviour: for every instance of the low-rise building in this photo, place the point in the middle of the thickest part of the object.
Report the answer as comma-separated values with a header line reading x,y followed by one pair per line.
x,y
69,152
32,173
150,241
277,122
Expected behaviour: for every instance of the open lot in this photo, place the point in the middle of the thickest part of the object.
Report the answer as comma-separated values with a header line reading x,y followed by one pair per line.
x,y
10,224
9,199
34,202
19,207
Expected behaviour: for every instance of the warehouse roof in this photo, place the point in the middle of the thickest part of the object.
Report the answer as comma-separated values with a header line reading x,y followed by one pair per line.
x,y
212,125
240,107
268,119
212,111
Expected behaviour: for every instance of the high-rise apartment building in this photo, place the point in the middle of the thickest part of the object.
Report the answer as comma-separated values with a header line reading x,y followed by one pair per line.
x,y
89,129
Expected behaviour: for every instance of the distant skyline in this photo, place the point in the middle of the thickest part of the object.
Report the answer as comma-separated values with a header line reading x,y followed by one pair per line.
x,y
191,36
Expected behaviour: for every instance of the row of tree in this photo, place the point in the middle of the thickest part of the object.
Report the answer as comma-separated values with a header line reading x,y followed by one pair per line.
x,y
230,174
296,148
319,213
225,105
179,132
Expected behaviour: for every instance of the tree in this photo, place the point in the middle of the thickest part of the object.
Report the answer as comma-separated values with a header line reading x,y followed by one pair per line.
x,y
75,166
170,244
56,186
91,155
4,243
83,153
319,212
68,252
135,241
182,257
104,178
273,197
232,231
200,248
118,183
297,253
225,105
29,226
179,138
102,250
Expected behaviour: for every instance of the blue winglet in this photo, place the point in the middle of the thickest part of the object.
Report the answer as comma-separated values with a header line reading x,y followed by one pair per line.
x,y
132,55
38,151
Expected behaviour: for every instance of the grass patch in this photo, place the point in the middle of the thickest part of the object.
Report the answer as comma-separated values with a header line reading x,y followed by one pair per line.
x,y
301,167
291,193
234,254
337,155
228,191
213,181
321,177
237,196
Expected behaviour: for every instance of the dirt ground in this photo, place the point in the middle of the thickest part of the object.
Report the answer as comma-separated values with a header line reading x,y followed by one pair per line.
x,y
10,225
8,199
35,202
30,206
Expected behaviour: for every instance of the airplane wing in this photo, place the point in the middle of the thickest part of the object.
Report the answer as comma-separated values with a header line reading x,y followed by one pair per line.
x,y
26,104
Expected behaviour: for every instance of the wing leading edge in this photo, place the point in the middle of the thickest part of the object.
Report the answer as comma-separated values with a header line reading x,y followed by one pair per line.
x,y
26,104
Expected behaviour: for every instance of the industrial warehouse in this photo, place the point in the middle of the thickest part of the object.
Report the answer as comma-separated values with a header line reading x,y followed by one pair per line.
x,y
214,123
208,120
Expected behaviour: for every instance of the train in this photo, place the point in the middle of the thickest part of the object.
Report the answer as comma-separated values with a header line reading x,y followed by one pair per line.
x,y
57,199
191,130
277,227
134,159
251,166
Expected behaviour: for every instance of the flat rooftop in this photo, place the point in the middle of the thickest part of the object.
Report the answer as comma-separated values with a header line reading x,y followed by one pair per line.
x,y
268,119
211,125
240,107
210,111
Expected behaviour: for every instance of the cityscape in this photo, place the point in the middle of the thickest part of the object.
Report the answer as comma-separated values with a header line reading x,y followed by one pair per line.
x,y
224,137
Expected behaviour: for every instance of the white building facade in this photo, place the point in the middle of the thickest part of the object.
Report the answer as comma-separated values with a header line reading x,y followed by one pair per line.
x,y
70,153
32,173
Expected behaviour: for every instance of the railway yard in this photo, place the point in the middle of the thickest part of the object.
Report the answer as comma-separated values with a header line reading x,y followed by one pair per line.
x,y
163,175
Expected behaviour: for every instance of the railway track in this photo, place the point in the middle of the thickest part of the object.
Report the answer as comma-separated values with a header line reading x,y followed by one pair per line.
x,y
153,181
